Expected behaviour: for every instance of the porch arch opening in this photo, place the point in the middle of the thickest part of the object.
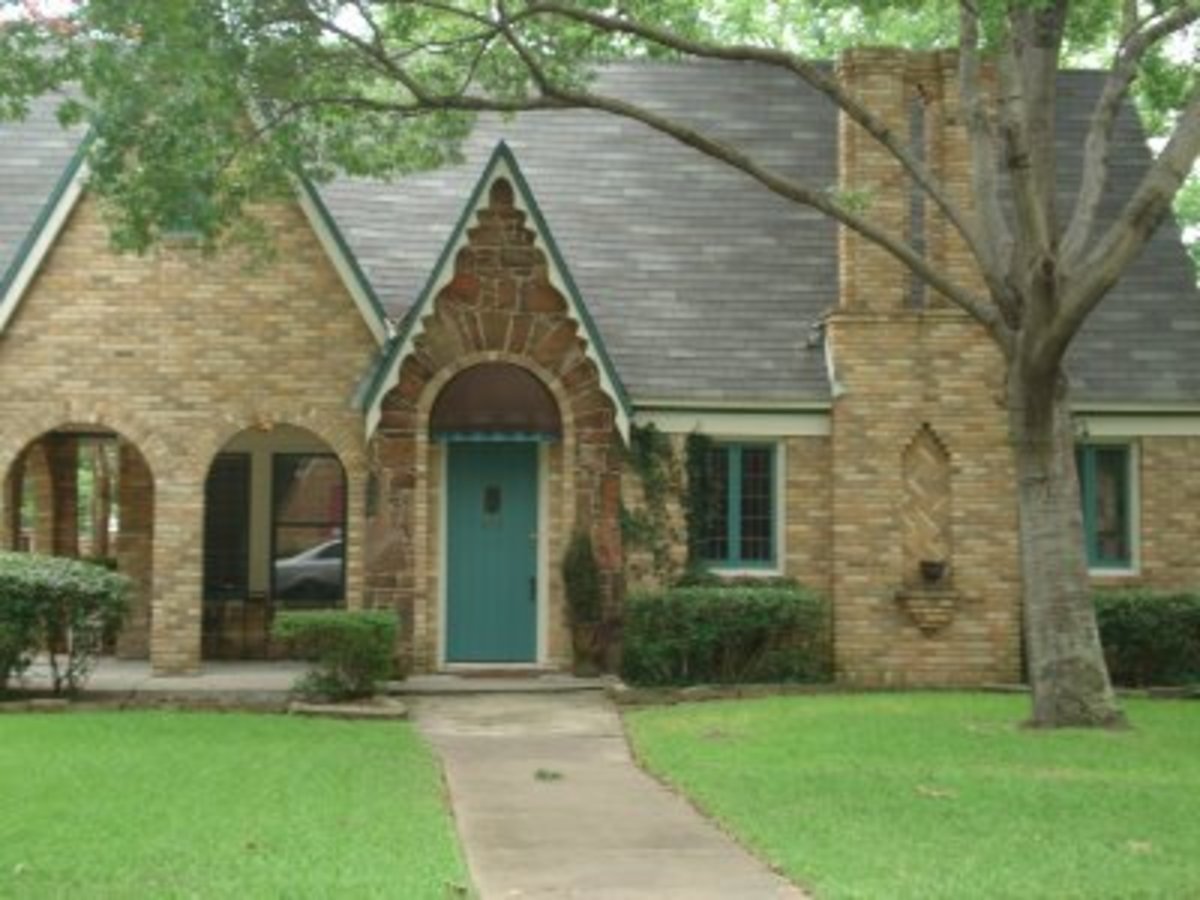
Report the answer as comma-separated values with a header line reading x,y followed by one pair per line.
x,y
86,491
275,530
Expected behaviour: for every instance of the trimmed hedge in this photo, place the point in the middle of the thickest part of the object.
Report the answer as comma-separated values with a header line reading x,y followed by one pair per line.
x,y
1150,637
725,634
63,607
352,649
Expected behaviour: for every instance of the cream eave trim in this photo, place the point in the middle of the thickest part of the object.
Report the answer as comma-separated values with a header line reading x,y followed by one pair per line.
x,y
801,406
45,240
734,423
1137,409
1127,425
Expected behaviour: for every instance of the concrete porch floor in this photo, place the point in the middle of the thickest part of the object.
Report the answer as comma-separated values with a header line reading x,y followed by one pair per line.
x,y
257,679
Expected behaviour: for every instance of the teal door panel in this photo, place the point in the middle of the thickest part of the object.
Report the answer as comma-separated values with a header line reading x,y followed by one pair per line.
x,y
491,502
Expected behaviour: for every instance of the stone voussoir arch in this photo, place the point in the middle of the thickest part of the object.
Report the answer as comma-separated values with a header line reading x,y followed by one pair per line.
x,y
433,387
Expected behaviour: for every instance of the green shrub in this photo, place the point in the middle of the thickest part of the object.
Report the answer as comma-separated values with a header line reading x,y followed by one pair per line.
x,y
581,577
725,634
1150,637
62,606
352,649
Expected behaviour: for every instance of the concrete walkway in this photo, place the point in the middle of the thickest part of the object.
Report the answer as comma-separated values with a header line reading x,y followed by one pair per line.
x,y
550,804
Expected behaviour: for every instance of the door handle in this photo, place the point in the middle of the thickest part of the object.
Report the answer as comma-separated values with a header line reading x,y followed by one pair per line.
x,y
533,589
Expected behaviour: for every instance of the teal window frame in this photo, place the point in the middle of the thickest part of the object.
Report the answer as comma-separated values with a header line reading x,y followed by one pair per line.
x,y
1087,465
733,560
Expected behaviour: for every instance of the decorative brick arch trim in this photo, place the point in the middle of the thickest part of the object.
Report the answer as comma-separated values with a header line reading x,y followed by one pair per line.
x,y
341,437
926,432
22,430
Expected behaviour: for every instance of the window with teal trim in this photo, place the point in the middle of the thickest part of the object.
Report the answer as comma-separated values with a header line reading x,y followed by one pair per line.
x,y
1105,489
740,532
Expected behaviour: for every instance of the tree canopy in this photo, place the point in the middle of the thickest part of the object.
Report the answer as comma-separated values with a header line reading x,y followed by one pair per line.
x,y
199,106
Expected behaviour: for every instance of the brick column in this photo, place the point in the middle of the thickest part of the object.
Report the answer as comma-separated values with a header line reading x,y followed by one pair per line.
x,y
37,483
134,548
176,607
10,505
62,453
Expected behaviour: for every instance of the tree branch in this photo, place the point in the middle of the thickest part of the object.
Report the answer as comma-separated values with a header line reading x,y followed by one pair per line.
x,y
811,74
1134,45
997,238
977,307
1027,117
1130,231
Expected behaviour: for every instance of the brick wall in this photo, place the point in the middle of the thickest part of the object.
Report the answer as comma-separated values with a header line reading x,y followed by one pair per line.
x,y
178,352
921,463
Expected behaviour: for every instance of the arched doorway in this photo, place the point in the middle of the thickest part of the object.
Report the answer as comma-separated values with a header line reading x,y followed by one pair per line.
x,y
493,419
85,491
274,536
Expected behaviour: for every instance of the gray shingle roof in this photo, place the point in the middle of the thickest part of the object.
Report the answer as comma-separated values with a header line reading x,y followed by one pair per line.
x,y
34,153
702,283
1142,344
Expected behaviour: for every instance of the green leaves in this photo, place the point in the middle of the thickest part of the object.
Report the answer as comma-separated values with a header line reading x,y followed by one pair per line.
x,y
352,649
63,607
725,634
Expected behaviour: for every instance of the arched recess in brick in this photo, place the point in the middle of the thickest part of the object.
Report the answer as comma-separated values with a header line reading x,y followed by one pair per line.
x,y
925,514
500,306
96,476
281,530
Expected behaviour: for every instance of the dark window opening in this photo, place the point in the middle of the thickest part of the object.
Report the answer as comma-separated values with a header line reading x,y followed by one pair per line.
x,y
227,528
1105,492
308,530
740,531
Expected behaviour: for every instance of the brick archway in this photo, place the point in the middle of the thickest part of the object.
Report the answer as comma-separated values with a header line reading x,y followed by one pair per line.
x,y
500,306
45,470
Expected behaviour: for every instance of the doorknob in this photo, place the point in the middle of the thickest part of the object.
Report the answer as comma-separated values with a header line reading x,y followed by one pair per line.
x,y
533,589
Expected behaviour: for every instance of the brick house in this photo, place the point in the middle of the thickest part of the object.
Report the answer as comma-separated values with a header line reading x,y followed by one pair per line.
x,y
432,383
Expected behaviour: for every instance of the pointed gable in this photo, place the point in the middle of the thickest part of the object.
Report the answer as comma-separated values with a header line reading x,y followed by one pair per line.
x,y
501,180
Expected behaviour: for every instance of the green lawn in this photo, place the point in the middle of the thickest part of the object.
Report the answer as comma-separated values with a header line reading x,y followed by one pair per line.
x,y
192,805
942,795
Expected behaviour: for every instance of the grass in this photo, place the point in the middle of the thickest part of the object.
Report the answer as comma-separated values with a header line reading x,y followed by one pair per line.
x,y
164,804
942,795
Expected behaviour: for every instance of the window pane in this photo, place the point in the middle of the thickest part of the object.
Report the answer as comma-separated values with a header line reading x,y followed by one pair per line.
x,y
308,489
756,504
1112,504
308,563
714,539
309,528
227,528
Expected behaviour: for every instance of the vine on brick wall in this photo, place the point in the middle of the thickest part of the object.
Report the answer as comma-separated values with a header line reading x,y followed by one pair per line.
x,y
648,527
700,507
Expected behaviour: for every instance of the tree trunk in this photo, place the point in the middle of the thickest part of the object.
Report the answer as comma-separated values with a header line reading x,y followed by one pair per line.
x,y
1066,664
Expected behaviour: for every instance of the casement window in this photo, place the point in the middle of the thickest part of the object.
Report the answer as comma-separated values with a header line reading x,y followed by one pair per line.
x,y
1106,488
308,529
739,528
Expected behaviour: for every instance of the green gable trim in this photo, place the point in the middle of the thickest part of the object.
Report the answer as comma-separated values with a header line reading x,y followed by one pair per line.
x,y
502,155
557,258
344,250
44,216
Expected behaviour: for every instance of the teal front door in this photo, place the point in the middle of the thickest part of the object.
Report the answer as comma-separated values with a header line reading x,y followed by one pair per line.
x,y
491,594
